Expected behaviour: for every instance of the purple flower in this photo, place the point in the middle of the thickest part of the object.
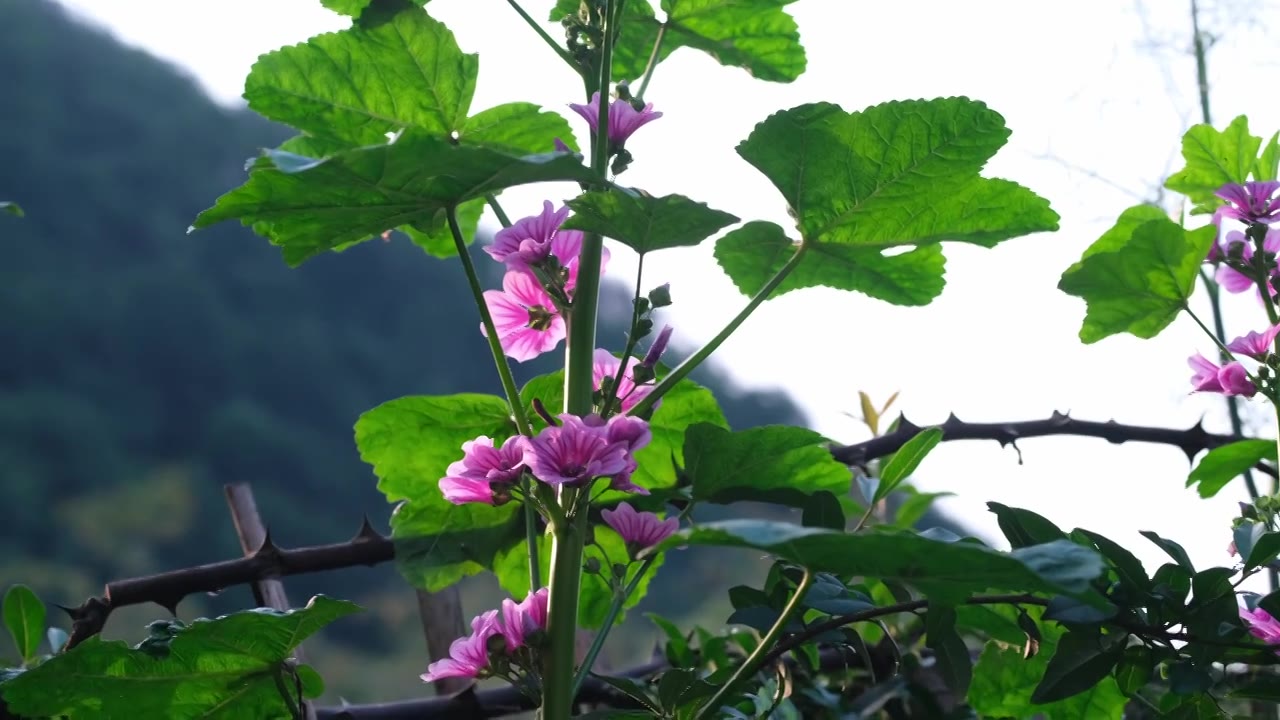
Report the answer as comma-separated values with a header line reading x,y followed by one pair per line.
x,y
1261,625
639,529
658,347
623,119
1256,345
468,656
576,452
528,240
527,321
519,620
462,490
1231,379
1233,280
561,147
605,365
1249,203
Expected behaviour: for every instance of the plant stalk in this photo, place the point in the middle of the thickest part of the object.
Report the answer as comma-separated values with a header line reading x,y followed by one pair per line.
x,y
693,361
564,54
757,656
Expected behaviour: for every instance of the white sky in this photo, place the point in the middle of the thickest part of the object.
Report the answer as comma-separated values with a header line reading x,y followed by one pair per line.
x,y
1089,87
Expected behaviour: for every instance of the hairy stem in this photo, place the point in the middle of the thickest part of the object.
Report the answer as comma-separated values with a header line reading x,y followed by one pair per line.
x,y
653,61
564,54
686,367
568,537
757,657
508,387
498,212
607,403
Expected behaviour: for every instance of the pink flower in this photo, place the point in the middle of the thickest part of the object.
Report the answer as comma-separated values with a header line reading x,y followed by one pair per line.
x,y
658,347
567,247
575,453
481,460
1231,549
1231,379
623,119
527,321
1261,625
1233,280
1249,203
1256,345
462,490
605,365
528,240
634,433
468,656
639,529
522,619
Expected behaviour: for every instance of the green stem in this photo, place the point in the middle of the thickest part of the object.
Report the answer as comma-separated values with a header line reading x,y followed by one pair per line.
x,y
508,387
569,535
630,347
564,54
653,60
693,361
492,200
754,660
1202,69
615,607
1226,354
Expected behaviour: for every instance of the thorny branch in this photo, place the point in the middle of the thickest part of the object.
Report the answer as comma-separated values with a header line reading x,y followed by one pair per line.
x,y
368,547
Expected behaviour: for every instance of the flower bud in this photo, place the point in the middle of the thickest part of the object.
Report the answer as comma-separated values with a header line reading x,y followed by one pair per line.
x,y
591,566
661,295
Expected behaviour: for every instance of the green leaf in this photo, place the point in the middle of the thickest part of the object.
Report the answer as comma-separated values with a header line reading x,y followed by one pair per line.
x,y
756,35
511,565
1225,463
401,69
914,507
906,460
822,509
1263,551
346,7
949,650
410,442
678,652
1214,159
1023,528
24,616
860,178
1128,568
220,668
1259,687
633,690
1135,669
1003,680
755,252
1268,165
438,241
519,128
944,571
644,223
1140,286
1173,549
775,463
12,208
308,206
1078,664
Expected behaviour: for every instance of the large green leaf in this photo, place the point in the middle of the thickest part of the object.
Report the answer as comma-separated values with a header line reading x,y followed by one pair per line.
x,y
1223,464
438,241
756,35
410,442
346,7
687,404
952,656
1140,286
644,223
775,463
221,668
519,128
755,252
309,206
899,173
1214,159
512,568
395,68
944,571
1003,681
24,617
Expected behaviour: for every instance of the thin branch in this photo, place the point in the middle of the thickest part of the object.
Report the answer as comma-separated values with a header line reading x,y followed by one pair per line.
x,y
1191,441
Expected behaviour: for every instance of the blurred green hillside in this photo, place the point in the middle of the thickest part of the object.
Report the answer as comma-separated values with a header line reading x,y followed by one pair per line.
x,y
142,368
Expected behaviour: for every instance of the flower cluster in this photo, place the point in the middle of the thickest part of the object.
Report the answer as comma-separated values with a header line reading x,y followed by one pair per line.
x,y
474,656
575,452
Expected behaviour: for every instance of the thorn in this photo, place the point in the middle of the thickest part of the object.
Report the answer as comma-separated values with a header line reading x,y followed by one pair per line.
x,y
906,426
75,613
366,532
267,548
170,604
1059,418
951,418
